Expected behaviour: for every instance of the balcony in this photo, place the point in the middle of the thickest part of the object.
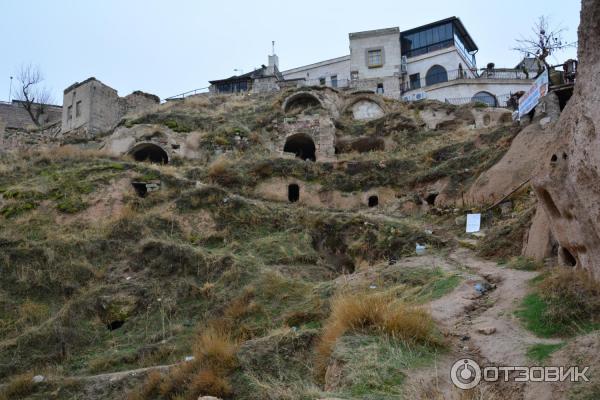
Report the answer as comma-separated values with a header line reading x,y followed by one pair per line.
x,y
448,76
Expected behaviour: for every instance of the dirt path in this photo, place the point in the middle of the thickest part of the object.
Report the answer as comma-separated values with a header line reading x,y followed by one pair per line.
x,y
464,312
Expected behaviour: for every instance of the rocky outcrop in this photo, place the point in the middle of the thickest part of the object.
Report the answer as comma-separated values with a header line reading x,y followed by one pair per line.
x,y
538,240
520,161
568,181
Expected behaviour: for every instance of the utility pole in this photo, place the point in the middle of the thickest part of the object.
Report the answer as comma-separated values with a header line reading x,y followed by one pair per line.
x,y
10,90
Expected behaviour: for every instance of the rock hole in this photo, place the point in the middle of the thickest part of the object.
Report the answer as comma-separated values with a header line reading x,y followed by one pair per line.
x,y
115,324
487,120
293,193
373,201
430,199
140,188
554,158
564,155
547,200
302,146
150,152
568,258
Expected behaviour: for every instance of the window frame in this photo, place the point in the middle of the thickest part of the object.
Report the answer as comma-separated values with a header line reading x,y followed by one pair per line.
x,y
381,57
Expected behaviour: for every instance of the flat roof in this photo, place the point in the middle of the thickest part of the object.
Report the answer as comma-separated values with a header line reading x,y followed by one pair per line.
x,y
469,42
375,32
317,64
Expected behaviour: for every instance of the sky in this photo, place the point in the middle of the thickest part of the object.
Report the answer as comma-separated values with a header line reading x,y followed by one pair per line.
x,y
169,47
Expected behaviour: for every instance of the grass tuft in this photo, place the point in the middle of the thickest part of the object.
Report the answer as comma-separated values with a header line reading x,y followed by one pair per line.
x,y
378,314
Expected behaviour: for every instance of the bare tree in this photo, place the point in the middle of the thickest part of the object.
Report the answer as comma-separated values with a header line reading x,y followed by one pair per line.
x,y
33,95
546,40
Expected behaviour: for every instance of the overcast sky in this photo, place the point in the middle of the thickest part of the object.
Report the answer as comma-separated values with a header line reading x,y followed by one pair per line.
x,y
168,47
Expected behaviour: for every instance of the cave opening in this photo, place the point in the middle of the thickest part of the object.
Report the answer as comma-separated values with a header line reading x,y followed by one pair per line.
x,y
302,146
113,325
373,201
430,199
293,193
150,152
568,258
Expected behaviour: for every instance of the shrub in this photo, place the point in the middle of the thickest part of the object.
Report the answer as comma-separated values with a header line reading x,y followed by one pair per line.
x,y
149,390
222,171
572,295
18,387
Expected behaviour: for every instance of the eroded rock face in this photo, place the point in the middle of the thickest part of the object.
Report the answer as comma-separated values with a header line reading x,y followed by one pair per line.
x,y
520,161
568,181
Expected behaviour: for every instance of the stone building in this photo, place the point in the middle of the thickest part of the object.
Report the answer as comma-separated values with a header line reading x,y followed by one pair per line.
x,y
91,108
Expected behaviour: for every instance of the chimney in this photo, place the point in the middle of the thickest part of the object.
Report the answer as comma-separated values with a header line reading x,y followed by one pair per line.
x,y
273,64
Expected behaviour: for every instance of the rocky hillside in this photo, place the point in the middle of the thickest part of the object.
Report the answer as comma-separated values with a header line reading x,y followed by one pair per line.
x,y
240,271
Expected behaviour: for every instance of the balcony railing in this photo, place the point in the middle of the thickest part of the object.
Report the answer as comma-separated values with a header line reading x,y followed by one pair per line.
x,y
339,83
447,76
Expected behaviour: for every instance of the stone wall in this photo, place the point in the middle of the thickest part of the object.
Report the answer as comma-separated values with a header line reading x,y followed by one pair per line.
x,y
15,117
567,183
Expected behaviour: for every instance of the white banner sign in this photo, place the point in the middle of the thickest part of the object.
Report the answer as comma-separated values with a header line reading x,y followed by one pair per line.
x,y
529,100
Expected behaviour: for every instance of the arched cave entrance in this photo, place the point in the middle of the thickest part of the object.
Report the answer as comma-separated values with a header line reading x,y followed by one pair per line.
x,y
300,102
302,146
293,193
373,201
149,152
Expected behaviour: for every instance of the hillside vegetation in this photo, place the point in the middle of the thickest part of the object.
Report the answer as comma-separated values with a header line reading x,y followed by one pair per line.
x,y
263,295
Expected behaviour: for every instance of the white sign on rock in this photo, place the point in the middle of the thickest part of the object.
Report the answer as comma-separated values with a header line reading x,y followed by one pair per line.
x,y
473,223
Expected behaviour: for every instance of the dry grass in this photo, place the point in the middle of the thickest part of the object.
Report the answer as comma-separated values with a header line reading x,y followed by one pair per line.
x,y
377,313
149,390
31,313
220,169
214,359
19,386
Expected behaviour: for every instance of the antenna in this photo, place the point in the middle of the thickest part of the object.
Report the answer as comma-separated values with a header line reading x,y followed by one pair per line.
x,y
10,90
273,47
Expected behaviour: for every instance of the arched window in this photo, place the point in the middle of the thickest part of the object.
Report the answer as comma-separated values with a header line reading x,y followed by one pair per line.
x,y
486,98
436,74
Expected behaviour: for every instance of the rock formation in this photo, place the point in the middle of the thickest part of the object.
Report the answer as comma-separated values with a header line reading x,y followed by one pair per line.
x,y
568,180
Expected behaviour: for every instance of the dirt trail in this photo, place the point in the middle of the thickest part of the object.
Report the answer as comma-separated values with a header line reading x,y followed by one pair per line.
x,y
461,314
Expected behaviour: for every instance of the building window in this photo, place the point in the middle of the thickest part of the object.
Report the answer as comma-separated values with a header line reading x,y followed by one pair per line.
x,y
334,82
415,81
322,81
69,113
436,74
374,58
380,88
78,109
354,75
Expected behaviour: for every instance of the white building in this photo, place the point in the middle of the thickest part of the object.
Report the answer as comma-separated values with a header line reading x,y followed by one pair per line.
x,y
434,61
